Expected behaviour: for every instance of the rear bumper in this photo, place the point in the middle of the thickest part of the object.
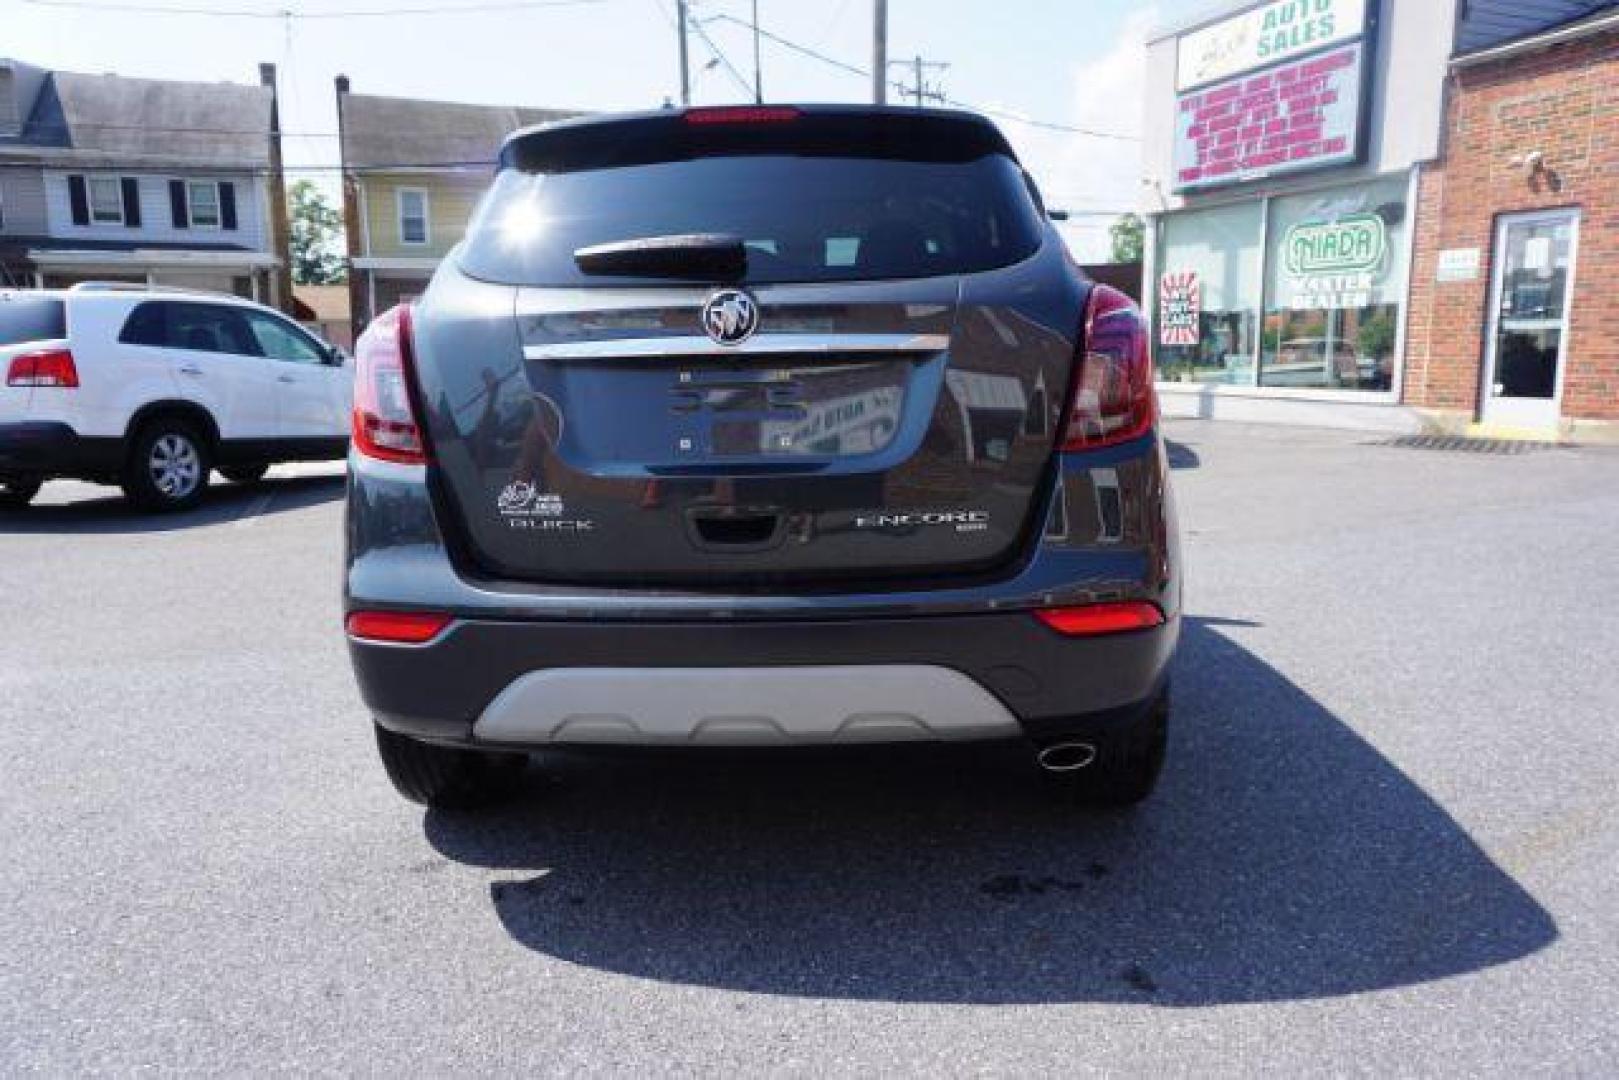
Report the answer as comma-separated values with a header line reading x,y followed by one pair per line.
x,y
945,677
51,448
1110,535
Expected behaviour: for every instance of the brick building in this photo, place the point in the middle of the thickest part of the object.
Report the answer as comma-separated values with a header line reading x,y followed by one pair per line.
x,y
1514,318
1388,214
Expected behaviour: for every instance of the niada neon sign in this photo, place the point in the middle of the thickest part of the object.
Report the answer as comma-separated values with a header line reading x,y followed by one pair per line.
x,y
1350,245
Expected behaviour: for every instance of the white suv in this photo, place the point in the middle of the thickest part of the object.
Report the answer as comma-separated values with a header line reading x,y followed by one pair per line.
x,y
151,388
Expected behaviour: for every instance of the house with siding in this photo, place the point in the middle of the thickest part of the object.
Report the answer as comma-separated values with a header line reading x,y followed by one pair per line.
x,y
412,172
153,181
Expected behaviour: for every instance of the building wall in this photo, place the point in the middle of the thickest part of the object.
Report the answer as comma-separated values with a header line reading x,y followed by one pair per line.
x,y
157,224
393,289
1563,102
1413,47
450,196
22,201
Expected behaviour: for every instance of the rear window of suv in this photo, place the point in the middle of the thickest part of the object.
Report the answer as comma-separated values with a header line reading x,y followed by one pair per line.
x,y
31,319
866,206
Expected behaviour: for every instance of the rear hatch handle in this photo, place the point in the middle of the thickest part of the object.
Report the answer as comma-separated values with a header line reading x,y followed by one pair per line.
x,y
735,528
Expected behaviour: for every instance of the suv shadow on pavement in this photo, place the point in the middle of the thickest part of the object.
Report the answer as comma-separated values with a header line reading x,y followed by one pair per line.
x,y
111,513
1181,455
1282,858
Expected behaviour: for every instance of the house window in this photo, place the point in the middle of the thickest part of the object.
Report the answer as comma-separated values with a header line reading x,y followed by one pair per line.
x,y
106,200
412,216
202,198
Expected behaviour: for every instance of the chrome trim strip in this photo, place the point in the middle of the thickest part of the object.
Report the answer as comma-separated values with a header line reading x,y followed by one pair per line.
x,y
681,346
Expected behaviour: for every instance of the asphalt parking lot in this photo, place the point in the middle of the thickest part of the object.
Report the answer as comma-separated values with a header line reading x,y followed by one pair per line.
x,y
1386,843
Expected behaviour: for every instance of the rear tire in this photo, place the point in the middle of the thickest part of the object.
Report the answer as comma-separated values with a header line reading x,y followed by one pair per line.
x,y
448,777
1128,762
244,474
16,493
167,467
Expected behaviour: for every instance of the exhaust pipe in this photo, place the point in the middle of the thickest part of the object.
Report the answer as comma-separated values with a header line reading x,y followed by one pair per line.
x,y
1066,756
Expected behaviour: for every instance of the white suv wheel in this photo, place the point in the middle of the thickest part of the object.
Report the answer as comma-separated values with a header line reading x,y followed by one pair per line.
x,y
175,465
168,465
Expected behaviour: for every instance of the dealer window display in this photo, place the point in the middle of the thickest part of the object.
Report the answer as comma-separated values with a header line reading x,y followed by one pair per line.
x,y
1334,282
1209,294
1301,291
1268,278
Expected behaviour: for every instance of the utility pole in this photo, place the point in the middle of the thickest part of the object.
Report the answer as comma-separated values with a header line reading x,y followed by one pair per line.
x,y
276,192
685,68
359,295
879,53
920,89
758,77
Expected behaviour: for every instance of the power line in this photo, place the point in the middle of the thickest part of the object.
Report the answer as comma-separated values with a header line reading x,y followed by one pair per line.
x,y
794,46
837,16
725,61
356,13
852,69
1049,125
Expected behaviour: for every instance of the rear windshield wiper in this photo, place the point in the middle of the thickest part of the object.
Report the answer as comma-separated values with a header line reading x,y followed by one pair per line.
x,y
686,255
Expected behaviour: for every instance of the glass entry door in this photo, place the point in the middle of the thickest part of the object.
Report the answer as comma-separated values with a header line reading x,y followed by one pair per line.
x,y
1533,284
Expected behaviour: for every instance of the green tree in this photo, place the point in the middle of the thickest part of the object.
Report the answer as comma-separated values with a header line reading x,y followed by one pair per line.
x,y
315,227
1376,337
1128,234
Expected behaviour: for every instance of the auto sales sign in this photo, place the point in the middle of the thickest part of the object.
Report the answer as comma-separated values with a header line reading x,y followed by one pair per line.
x,y
1263,36
1277,89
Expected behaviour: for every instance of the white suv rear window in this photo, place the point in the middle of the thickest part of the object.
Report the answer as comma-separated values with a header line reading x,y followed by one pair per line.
x,y
31,319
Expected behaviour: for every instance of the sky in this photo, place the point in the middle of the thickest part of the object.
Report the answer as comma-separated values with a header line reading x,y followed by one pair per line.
x,y
1070,62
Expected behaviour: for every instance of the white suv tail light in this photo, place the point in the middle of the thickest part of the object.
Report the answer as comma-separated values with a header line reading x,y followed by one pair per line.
x,y
52,367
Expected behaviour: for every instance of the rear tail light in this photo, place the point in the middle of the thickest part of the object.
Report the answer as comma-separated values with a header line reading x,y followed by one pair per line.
x,y
385,423
1088,620
397,627
1112,399
52,367
741,114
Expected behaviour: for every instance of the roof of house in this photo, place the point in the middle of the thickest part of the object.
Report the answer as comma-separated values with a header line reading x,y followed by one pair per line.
x,y
87,243
159,120
390,132
324,303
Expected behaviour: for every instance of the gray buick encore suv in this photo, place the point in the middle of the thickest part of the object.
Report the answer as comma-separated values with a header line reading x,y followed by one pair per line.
x,y
760,427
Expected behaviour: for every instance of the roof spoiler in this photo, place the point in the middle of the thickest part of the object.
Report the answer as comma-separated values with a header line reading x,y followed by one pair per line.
x,y
618,139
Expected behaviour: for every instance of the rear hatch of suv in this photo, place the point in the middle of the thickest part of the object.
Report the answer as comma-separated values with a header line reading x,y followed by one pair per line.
x,y
749,345
31,324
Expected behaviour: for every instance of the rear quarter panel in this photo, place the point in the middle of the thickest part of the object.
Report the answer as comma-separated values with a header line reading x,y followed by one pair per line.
x,y
15,401
114,380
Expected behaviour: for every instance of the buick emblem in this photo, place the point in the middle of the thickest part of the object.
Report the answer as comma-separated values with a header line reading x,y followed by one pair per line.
x,y
730,316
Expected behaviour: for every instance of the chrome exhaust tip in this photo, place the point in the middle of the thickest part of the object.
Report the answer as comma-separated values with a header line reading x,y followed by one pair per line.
x,y
1066,756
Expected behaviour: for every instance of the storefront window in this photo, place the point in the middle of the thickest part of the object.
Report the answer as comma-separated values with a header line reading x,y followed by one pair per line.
x,y
1335,274
1208,294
